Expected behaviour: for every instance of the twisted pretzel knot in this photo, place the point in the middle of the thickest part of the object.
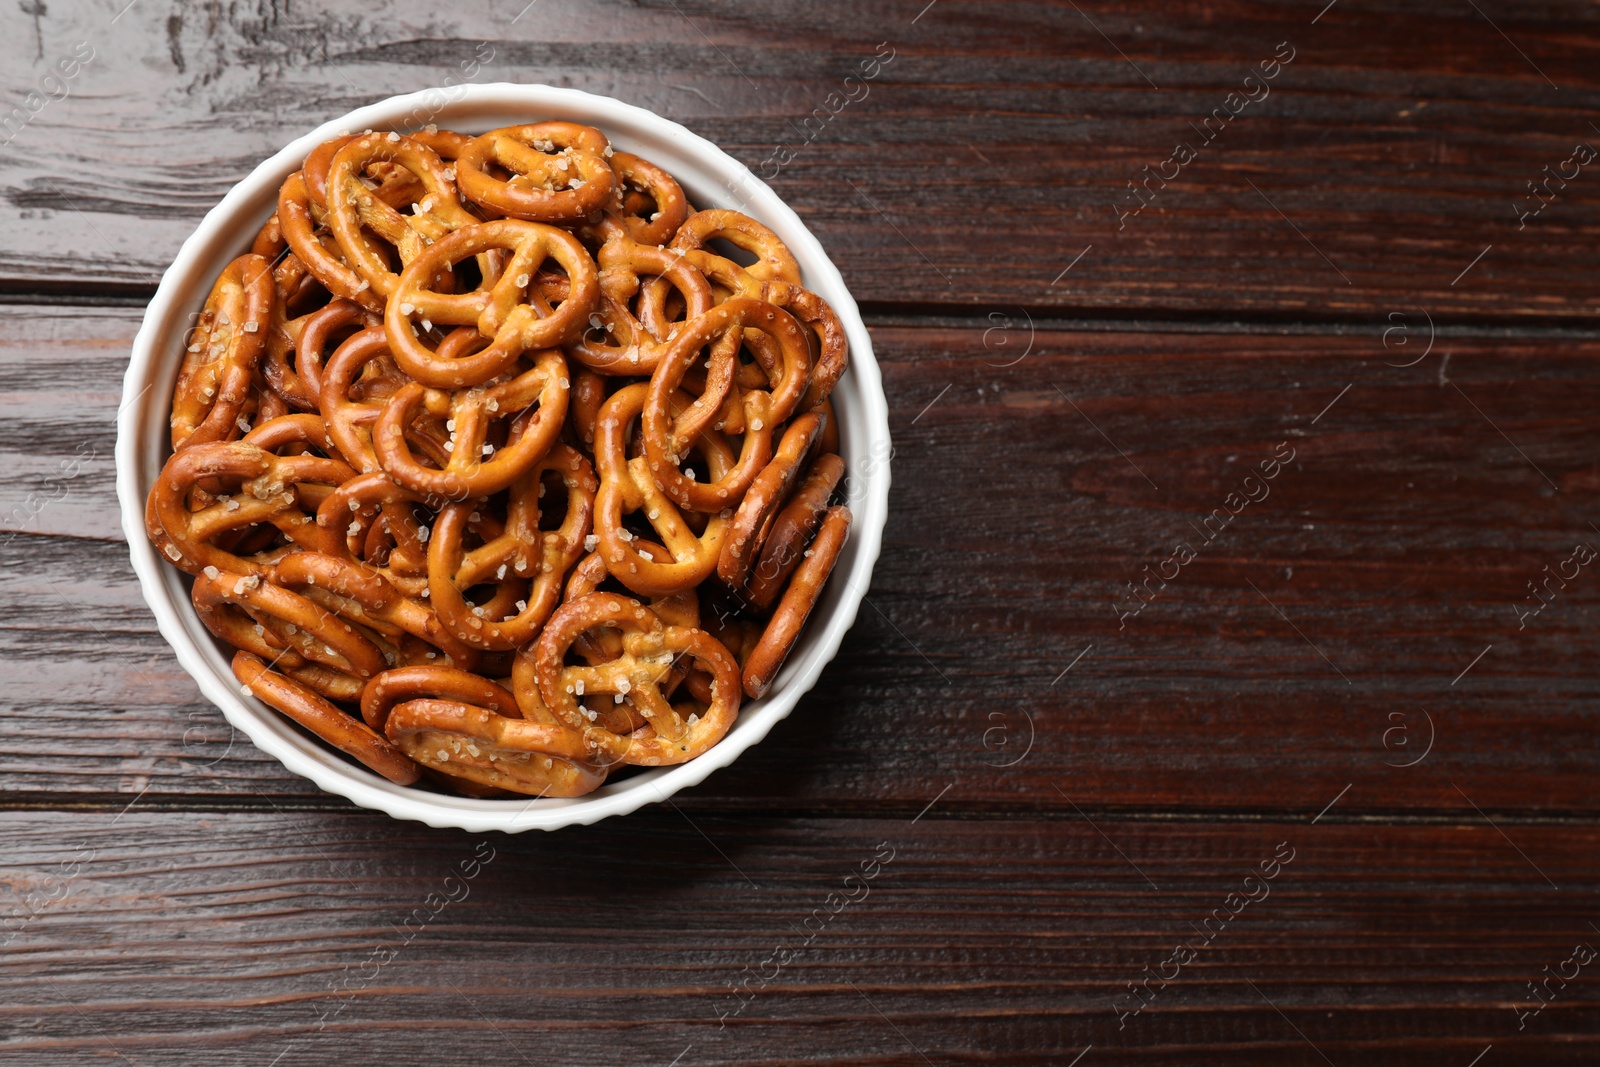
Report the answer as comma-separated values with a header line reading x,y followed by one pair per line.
x,y
462,402
523,558
501,310
617,341
355,210
626,486
266,489
671,734
642,187
320,253
667,437
471,414
540,156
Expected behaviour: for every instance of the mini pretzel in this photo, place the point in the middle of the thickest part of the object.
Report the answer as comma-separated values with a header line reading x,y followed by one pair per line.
x,y
500,311
214,381
394,185
766,494
798,600
649,651
348,525
475,467
269,490
338,729
729,279
284,329
547,185
642,186
354,209
626,486
616,342
791,530
325,263
356,385
522,552
774,261
675,609
666,436
477,744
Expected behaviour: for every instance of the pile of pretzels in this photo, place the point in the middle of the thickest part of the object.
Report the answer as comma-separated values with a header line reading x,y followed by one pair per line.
x,y
499,465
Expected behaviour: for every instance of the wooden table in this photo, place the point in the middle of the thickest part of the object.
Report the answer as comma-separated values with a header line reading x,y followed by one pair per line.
x,y
1321,789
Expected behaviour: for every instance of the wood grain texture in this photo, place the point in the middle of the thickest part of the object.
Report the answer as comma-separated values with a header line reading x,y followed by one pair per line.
x,y
1318,640
993,148
164,937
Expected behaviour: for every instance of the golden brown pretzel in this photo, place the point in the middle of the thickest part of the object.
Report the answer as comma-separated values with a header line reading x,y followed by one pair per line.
x,y
345,733
279,371
642,186
784,628
501,309
523,554
753,518
774,261
394,185
626,486
475,467
728,279
559,171
675,609
791,530
667,435
649,652
352,514
224,349
464,741
324,262
356,385
617,342
354,210
263,489
309,338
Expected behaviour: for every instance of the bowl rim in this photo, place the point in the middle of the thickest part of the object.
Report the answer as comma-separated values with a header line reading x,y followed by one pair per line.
x,y
330,772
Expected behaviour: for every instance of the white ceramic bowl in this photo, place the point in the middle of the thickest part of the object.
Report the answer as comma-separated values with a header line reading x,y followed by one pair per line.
x,y
712,179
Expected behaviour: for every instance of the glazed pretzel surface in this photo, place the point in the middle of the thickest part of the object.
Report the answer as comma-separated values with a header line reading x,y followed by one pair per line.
x,y
497,473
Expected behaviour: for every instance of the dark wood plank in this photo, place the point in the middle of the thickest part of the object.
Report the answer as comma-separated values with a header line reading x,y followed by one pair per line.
x,y
236,938
996,145
1396,545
